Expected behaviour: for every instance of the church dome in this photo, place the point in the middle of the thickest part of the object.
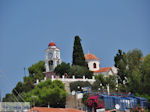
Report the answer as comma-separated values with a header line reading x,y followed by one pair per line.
x,y
51,44
91,57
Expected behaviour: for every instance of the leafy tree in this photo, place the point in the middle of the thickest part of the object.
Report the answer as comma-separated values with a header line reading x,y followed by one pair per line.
x,y
47,93
104,81
57,83
134,70
134,84
38,67
28,84
121,64
78,54
36,70
134,59
96,85
129,70
18,89
57,97
77,86
79,72
146,75
76,70
47,83
62,69
9,97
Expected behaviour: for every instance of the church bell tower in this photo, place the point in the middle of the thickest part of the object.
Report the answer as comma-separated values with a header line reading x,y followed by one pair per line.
x,y
52,58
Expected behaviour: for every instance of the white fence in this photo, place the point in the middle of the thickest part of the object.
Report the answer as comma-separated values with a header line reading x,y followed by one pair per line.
x,y
65,80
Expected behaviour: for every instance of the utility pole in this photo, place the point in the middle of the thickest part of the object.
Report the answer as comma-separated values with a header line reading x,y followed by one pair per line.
x,y
0,96
108,91
25,71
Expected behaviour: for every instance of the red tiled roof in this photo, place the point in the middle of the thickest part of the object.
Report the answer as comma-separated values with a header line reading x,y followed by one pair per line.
x,y
45,109
90,57
105,69
52,44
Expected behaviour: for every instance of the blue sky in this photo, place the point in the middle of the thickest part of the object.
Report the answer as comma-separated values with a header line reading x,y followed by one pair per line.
x,y
26,28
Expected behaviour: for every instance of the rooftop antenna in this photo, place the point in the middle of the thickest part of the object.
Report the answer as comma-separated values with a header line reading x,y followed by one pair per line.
x,y
0,88
25,71
0,96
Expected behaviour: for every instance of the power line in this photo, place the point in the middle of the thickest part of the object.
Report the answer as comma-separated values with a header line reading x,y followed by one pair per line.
x,y
15,90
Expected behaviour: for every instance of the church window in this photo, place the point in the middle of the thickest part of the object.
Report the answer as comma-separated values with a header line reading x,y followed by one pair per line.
x,y
50,62
94,65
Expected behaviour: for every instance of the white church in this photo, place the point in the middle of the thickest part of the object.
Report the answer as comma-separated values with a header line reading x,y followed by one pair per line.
x,y
53,58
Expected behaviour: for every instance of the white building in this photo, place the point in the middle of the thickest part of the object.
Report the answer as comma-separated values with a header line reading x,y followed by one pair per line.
x,y
52,57
93,62
94,66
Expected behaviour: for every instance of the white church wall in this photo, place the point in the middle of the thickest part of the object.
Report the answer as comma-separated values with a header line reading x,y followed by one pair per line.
x,y
91,66
115,70
105,73
47,67
110,73
52,54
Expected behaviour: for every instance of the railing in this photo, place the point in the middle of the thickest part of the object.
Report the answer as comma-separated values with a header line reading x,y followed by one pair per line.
x,y
64,79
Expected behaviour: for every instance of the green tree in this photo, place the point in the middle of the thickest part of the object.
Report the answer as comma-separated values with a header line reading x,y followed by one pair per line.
x,y
101,80
9,98
57,83
121,64
47,93
80,71
57,97
77,86
28,84
134,73
47,83
134,83
129,70
18,89
134,59
146,75
78,54
62,69
36,70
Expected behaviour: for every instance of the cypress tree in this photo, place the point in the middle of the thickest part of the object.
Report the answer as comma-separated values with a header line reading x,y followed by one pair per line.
x,y
78,54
